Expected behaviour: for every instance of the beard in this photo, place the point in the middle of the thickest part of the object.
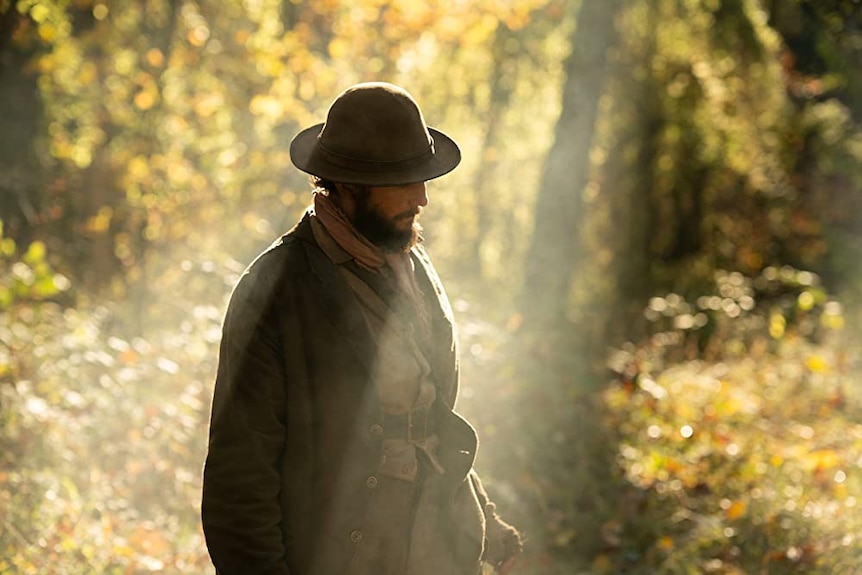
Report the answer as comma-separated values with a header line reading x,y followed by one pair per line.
x,y
382,231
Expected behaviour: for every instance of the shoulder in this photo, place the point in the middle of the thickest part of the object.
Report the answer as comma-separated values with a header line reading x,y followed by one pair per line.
x,y
419,251
424,260
421,256
283,263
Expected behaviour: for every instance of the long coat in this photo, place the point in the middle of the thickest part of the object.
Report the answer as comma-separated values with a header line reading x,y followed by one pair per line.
x,y
296,427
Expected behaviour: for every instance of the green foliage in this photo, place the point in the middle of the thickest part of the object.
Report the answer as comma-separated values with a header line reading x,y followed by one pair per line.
x,y
742,463
103,437
29,277
163,141
726,159
167,121
733,320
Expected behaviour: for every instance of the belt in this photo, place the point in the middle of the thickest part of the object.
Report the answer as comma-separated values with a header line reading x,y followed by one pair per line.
x,y
415,425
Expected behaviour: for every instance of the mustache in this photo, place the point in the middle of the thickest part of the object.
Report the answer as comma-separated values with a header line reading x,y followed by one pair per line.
x,y
409,214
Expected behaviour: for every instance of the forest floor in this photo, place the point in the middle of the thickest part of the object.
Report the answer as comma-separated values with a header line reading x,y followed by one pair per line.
x,y
745,464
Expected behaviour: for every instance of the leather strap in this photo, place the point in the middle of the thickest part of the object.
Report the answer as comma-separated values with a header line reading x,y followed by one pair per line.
x,y
416,425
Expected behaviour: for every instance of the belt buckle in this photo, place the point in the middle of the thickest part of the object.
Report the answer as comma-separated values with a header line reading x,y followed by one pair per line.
x,y
411,437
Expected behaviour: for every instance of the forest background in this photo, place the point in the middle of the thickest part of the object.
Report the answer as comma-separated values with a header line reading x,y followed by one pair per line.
x,y
652,247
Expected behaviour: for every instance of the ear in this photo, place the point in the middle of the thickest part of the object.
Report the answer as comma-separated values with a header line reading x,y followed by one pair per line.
x,y
347,189
345,197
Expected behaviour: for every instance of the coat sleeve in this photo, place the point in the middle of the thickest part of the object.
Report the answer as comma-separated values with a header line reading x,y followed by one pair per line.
x,y
502,540
240,509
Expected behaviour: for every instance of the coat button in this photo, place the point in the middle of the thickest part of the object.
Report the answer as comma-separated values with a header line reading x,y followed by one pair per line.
x,y
376,430
356,536
371,482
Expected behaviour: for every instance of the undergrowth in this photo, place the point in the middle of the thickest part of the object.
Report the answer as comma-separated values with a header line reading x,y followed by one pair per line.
x,y
741,451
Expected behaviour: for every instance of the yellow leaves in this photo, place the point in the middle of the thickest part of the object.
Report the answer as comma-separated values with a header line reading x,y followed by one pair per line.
x,y
806,300
518,16
414,15
449,27
180,174
208,103
148,92
47,33
197,30
88,73
145,99
241,37
564,537
39,13
266,105
124,62
150,540
817,364
820,459
480,31
7,247
339,47
733,510
51,20
100,11
665,543
128,357
833,316
270,65
603,564
777,325
176,124
307,89
155,58
672,465
198,35
100,223
138,168
35,253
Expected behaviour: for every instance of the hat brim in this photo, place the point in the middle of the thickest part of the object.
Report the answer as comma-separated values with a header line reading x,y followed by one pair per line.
x,y
305,155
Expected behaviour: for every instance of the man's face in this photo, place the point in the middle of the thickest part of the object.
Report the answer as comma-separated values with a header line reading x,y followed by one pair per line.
x,y
387,216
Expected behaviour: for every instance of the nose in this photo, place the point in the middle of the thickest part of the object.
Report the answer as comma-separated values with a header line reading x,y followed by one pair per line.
x,y
418,194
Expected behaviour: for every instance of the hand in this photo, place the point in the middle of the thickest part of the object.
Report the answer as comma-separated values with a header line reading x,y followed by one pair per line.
x,y
504,567
503,544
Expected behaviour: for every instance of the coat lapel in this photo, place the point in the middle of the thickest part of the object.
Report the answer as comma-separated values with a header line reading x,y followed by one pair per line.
x,y
444,352
345,314
337,298
458,440
430,283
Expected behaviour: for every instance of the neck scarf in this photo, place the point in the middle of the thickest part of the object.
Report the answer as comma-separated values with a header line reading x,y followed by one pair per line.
x,y
363,251
345,235
389,265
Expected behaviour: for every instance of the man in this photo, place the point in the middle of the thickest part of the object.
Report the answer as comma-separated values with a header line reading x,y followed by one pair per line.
x,y
334,448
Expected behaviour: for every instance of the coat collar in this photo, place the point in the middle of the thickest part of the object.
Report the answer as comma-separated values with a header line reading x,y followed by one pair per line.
x,y
428,280
346,316
335,295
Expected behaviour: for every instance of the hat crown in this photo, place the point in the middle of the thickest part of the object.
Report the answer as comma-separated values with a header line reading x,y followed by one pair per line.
x,y
375,122
375,135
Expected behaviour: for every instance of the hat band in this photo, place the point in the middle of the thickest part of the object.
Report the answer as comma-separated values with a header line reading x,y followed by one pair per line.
x,y
363,165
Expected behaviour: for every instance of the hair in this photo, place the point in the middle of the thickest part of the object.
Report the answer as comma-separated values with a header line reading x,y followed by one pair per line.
x,y
330,188
319,183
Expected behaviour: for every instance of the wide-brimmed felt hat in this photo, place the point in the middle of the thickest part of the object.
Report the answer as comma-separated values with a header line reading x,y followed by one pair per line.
x,y
375,135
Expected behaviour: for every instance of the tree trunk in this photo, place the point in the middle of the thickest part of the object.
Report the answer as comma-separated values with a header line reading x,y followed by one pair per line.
x,y
21,175
568,451
502,84
634,213
548,326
